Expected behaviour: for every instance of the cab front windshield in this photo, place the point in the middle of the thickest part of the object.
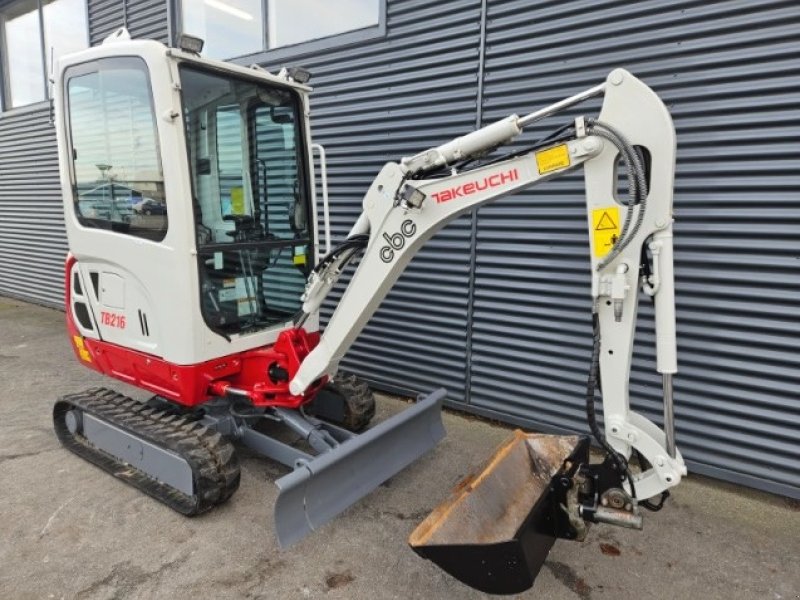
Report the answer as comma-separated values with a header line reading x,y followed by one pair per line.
x,y
245,147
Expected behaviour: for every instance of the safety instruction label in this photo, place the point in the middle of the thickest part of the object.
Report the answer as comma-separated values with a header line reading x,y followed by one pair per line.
x,y
605,230
552,159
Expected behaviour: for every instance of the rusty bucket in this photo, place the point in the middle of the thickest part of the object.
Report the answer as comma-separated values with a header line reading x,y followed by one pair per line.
x,y
496,529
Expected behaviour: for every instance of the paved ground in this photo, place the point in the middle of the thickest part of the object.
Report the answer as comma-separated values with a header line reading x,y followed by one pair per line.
x,y
69,530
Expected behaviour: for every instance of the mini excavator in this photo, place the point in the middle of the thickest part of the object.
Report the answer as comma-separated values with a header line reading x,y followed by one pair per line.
x,y
196,273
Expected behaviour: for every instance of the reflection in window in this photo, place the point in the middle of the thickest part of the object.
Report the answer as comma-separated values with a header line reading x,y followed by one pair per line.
x,y
65,30
118,180
230,28
295,21
233,28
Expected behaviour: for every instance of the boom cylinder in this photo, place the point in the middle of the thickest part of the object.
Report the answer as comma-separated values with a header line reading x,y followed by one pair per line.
x,y
472,144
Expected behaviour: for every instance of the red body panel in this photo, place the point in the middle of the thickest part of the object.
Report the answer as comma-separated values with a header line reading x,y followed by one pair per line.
x,y
191,385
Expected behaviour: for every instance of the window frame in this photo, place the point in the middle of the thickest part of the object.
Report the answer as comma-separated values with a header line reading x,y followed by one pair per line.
x,y
303,165
302,161
266,54
86,68
5,85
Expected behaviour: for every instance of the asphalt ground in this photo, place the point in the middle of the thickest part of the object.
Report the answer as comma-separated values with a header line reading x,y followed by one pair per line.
x,y
68,530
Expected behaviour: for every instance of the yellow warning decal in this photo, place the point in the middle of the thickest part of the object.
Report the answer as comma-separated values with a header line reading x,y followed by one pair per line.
x,y
237,201
299,255
81,348
552,159
605,230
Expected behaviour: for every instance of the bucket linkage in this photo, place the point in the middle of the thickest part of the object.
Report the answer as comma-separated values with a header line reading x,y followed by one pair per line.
x,y
498,526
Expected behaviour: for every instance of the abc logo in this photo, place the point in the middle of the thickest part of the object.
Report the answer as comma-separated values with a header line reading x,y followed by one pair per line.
x,y
397,241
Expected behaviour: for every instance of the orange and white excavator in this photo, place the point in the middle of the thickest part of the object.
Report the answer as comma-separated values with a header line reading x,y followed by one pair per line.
x,y
196,272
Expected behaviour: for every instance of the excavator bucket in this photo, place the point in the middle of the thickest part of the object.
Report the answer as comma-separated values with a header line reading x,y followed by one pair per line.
x,y
496,530
318,490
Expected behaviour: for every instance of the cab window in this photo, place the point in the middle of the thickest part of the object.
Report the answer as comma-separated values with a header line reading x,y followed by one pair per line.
x,y
117,177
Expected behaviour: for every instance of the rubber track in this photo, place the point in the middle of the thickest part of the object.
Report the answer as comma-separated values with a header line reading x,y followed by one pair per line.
x,y
359,400
212,458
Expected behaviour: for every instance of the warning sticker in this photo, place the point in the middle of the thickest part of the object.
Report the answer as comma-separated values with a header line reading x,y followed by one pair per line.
x,y
552,159
81,348
299,255
605,230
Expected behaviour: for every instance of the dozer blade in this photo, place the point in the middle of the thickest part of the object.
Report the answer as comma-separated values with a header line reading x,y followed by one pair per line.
x,y
497,528
320,489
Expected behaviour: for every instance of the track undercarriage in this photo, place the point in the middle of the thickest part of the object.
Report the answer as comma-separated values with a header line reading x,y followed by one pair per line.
x,y
186,458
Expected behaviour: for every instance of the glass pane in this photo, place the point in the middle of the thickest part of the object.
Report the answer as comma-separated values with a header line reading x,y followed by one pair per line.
x,y
65,28
245,158
119,183
277,173
251,199
23,58
294,21
230,28
230,161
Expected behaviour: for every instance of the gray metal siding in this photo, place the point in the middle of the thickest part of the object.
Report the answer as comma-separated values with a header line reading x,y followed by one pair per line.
x,y
33,242
145,19
730,73
378,101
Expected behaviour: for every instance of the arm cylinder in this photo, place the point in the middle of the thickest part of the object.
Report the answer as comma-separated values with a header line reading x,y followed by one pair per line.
x,y
666,345
472,144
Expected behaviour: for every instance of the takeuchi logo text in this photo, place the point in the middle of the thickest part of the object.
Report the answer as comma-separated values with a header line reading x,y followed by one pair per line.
x,y
473,187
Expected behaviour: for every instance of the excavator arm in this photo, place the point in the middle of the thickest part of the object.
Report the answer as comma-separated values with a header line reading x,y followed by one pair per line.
x,y
630,249
401,213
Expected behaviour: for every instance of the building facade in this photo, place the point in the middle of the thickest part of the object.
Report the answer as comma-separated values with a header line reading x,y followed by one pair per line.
x,y
496,308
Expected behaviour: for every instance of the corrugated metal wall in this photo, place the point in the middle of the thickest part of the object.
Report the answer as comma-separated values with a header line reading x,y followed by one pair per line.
x,y
146,19
730,73
33,243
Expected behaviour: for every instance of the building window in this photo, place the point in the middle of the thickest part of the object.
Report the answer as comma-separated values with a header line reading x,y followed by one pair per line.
x,y
34,32
118,182
235,28
295,21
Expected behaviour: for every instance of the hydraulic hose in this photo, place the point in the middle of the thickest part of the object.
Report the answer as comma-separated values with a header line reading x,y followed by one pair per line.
x,y
591,415
637,186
